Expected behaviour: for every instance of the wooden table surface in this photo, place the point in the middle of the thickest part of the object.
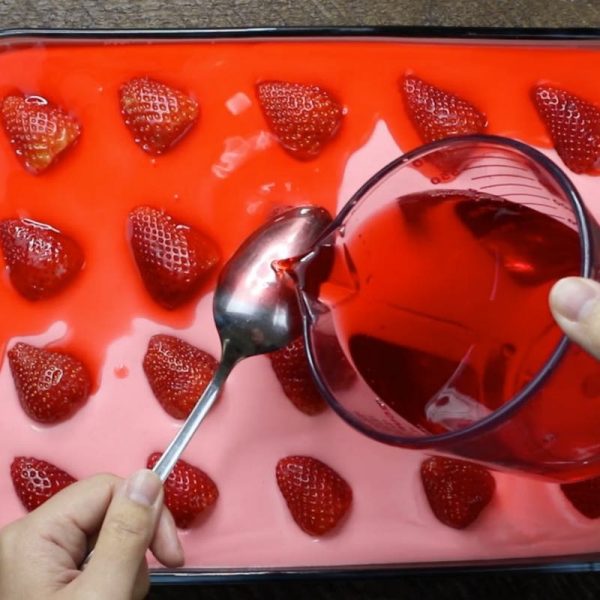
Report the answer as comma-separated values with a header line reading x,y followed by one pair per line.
x,y
246,13
252,13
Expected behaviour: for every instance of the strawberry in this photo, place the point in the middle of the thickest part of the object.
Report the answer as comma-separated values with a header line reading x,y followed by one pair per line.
x,y
437,114
157,115
303,117
291,368
51,385
38,130
584,496
188,491
41,261
36,480
574,126
316,495
457,490
178,373
173,259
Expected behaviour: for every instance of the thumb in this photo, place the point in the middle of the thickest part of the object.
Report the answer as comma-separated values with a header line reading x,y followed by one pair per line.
x,y
128,529
575,304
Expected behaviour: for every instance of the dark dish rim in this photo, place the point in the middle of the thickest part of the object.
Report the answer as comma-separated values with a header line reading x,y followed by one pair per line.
x,y
573,563
550,564
569,34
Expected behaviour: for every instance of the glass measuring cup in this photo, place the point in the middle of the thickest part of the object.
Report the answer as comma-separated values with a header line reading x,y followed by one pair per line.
x,y
425,309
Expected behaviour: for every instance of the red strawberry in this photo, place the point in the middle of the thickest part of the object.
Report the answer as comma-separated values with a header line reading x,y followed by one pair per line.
x,y
41,261
584,496
438,114
174,259
457,490
316,495
51,385
38,131
188,491
36,480
291,368
157,115
574,126
303,117
178,373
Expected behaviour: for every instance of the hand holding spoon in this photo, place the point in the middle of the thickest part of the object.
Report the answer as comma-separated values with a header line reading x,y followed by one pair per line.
x,y
255,310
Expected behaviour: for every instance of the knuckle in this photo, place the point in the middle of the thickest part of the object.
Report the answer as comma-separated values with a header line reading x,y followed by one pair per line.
x,y
105,479
131,523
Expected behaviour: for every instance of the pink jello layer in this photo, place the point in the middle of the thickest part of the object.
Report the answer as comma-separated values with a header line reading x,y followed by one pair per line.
x,y
253,425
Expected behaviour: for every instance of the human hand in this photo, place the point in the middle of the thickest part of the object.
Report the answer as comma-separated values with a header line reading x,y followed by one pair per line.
x,y
40,554
575,304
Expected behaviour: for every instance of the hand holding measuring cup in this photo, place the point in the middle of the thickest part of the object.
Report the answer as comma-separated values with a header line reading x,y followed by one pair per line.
x,y
436,289
575,304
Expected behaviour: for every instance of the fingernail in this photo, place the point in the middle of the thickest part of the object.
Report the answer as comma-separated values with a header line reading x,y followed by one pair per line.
x,y
574,298
143,487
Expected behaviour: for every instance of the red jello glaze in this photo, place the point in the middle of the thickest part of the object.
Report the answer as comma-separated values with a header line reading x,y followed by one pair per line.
x,y
498,80
90,191
88,195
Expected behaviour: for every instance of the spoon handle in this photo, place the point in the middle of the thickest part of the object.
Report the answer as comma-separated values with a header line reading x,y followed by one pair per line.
x,y
167,461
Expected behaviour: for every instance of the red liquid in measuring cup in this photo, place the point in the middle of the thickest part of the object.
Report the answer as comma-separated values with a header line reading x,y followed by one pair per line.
x,y
442,298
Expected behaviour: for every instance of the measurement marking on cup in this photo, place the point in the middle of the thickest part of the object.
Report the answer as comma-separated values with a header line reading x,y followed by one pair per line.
x,y
532,196
498,157
511,175
519,185
486,166
541,204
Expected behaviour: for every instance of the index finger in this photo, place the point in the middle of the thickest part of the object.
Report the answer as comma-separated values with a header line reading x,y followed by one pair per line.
x,y
84,504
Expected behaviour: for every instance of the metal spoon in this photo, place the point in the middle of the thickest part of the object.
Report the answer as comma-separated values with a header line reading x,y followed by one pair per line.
x,y
254,308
